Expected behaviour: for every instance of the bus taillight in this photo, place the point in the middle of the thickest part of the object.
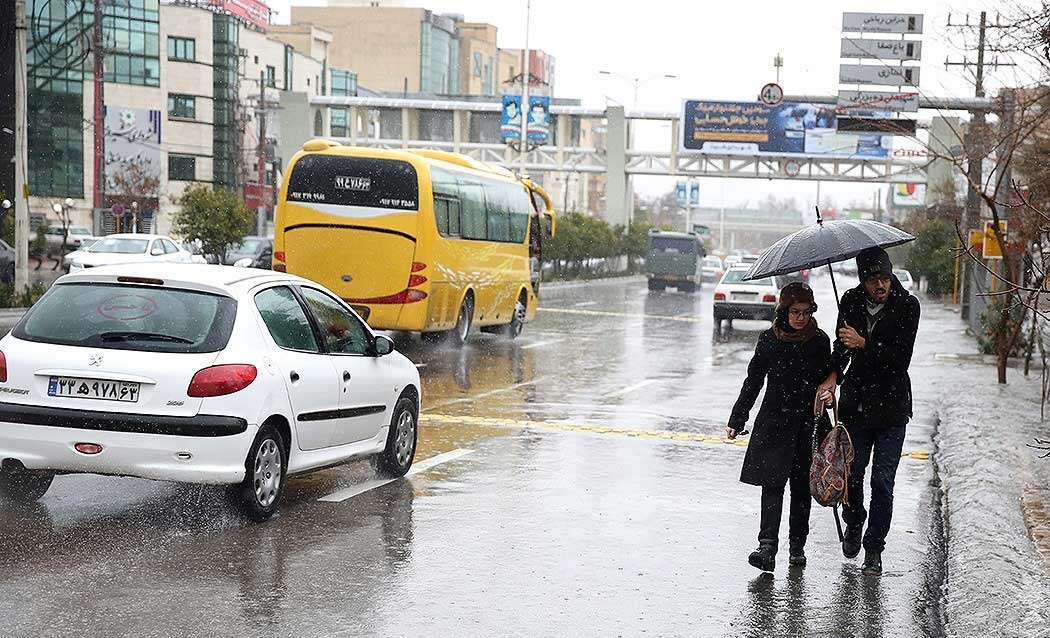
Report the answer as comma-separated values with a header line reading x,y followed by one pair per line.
x,y
279,265
405,296
416,280
279,255
417,266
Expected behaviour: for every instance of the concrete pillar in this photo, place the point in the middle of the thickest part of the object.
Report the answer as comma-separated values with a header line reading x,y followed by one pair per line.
x,y
675,128
562,138
616,165
352,119
458,125
406,127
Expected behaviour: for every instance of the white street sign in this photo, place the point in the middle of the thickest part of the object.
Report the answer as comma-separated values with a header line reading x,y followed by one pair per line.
x,y
878,101
879,74
881,49
771,94
882,22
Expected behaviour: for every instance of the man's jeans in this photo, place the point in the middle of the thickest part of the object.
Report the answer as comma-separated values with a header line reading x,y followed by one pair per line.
x,y
886,443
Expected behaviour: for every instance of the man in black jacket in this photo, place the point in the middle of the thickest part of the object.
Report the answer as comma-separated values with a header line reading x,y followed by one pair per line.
x,y
876,334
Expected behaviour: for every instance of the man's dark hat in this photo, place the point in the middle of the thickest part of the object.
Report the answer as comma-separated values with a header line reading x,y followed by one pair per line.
x,y
873,261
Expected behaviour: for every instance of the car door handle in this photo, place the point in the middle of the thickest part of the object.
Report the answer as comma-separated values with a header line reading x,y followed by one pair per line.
x,y
294,376
346,376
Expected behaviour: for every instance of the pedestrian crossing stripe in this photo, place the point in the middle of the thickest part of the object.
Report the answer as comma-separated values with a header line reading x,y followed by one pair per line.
x,y
669,435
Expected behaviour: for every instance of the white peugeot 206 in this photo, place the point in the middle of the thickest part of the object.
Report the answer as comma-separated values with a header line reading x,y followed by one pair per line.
x,y
198,374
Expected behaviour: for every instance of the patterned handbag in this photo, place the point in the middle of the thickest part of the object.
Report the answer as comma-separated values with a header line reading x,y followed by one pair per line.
x,y
829,471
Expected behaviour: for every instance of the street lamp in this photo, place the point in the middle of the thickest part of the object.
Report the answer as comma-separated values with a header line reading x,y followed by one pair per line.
x,y
637,82
135,216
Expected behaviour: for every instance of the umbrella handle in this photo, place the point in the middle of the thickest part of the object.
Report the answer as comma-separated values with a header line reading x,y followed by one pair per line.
x,y
834,286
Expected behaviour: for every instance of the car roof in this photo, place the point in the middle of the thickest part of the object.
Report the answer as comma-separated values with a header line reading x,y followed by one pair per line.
x,y
225,279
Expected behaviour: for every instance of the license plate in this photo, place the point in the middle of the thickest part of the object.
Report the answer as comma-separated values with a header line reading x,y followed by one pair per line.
x,y
77,388
745,296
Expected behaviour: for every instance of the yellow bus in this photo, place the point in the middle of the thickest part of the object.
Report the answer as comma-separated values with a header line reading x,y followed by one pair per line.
x,y
424,241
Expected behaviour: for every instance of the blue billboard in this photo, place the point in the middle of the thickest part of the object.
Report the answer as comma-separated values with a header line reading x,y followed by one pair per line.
x,y
539,122
753,128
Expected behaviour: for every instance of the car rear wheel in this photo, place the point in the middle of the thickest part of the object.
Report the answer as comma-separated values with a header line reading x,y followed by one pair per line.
x,y
396,458
25,487
264,470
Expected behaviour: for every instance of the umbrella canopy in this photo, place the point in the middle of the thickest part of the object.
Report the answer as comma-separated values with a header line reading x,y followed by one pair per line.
x,y
823,244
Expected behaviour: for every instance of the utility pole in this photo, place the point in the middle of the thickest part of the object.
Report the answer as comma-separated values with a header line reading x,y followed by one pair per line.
x,y
976,145
21,194
260,219
98,48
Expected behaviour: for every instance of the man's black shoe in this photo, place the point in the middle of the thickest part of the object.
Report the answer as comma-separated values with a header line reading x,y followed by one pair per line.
x,y
872,564
797,557
764,557
851,541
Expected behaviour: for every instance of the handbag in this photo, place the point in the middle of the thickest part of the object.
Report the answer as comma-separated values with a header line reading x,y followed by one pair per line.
x,y
829,470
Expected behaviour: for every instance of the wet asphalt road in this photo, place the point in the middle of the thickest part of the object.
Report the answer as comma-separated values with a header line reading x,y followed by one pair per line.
x,y
597,499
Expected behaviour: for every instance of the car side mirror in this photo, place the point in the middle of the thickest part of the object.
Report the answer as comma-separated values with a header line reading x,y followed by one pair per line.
x,y
157,251
383,346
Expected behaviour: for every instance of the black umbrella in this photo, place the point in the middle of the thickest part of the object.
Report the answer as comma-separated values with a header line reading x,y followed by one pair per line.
x,y
823,244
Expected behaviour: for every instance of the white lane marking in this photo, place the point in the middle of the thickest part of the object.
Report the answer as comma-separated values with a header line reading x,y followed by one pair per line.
x,y
356,490
631,388
685,314
583,304
483,394
540,344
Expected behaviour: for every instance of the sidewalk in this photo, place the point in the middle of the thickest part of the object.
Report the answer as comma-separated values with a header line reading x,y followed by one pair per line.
x,y
995,490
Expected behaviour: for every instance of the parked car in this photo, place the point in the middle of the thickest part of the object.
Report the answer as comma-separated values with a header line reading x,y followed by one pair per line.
x,y
123,248
258,249
674,259
7,263
749,259
713,268
738,299
798,275
198,374
76,236
198,257
906,279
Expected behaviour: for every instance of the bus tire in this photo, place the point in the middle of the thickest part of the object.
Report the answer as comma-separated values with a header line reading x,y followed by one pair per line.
x,y
687,286
656,284
459,334
517,318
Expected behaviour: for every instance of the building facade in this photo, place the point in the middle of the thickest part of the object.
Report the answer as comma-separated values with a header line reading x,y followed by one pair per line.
x,y
185,92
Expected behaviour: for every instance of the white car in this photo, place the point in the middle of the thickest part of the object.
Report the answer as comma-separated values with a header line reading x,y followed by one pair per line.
x,y
201,374
906,280
74,236
712,268
739,299
126,248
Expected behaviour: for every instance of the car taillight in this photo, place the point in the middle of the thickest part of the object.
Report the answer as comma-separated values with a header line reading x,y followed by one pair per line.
x,y
3,368
220,380
417,266
769,298
416,280
720,296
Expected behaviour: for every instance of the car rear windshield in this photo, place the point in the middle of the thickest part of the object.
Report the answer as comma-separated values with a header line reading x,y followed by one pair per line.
x,y
674,245
121,246
148,318
736,276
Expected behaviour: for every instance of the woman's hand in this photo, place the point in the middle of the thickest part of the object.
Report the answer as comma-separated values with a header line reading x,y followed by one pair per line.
x,y
730,433
824,399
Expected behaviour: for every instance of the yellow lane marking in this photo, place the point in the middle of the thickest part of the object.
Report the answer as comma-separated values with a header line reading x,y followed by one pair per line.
x,y
629,315
668,435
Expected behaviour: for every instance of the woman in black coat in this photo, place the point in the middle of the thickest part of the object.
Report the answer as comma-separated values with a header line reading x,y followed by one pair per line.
x,y
795,355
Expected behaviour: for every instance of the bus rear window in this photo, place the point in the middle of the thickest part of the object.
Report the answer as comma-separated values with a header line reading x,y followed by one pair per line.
x,y
354,181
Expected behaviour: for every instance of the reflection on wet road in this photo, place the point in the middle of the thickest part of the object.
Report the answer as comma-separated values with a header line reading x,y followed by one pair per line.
x,y
593,495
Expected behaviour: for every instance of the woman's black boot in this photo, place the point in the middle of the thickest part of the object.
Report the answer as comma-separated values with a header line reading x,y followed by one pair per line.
x,y
765,557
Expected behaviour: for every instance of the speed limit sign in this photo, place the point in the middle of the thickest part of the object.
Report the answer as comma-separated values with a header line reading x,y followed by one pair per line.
x,y
771,94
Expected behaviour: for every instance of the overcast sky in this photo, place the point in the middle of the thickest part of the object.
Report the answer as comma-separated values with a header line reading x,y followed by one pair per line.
x,y
717,50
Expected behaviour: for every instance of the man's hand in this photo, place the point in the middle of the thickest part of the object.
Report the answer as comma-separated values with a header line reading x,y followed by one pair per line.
x,y
851,338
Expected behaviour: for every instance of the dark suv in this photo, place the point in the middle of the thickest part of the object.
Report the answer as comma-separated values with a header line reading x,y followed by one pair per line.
x,y
259,249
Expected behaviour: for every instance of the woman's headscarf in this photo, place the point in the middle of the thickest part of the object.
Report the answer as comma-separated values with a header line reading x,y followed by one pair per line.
x,y
794,293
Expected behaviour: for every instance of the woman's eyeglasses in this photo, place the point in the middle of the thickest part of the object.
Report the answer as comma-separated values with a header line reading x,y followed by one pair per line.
x,y
800,314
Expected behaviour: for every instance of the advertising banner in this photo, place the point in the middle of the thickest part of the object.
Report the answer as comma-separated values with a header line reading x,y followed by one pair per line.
x,y
539,122
909,195
752,128
251,11
132,149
